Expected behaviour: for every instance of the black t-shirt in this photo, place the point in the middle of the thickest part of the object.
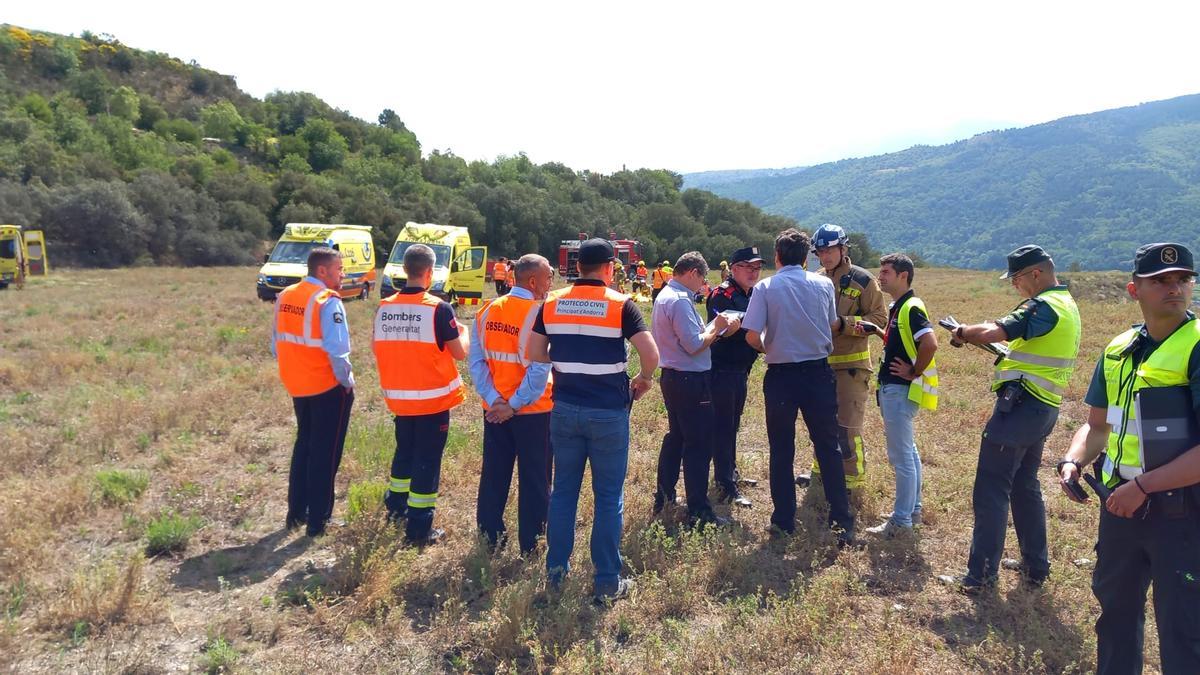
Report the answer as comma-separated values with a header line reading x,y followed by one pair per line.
x,y
1097,393
445,325
893,344
632,321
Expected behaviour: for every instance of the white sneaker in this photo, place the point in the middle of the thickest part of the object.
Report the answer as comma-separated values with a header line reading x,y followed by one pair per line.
x,y
890,530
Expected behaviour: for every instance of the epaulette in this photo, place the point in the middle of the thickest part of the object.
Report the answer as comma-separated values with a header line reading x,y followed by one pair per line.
x,y
860,276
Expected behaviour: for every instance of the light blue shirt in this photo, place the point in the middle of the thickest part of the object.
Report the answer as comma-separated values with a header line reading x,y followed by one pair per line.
x,y
794,308
678,330
335,336
532,386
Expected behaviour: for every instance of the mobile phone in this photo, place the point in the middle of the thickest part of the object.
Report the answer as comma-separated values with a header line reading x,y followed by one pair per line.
x,y
1076,489
869,327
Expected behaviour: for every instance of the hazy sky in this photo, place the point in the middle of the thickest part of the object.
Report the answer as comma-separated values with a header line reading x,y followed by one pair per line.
x,y
688,86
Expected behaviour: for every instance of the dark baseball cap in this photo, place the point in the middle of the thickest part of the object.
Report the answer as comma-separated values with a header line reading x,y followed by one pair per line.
x,y
1029,254
1154,259
595,251
748,254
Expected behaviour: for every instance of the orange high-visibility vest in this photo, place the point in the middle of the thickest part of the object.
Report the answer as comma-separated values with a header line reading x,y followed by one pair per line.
x,y
303,365
503,327
417,378
660,278
500,272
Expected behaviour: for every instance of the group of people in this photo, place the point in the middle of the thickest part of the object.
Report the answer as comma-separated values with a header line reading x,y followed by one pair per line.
x,y
552,373
502,275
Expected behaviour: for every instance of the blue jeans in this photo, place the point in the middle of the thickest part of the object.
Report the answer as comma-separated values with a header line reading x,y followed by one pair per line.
x,y
898,415
580,435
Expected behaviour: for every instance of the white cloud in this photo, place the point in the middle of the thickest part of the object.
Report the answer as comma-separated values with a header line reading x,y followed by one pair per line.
x,y
687,86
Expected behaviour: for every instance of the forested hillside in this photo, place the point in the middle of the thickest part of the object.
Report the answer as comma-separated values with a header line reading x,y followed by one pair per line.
x,y
132,157
1090,188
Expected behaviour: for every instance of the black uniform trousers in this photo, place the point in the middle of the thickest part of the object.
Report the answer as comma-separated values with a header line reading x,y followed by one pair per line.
x,y
689,439
321,423
809,388
1162,548
729,400
1010,454
420,441
525,441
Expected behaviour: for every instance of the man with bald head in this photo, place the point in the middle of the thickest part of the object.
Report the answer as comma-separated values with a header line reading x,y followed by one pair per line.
x,y
515,392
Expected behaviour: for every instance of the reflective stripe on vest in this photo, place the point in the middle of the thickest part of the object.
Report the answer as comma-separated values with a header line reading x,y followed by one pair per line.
x,y
1167,366
1044,364
417,378
582,329
304,367
924,390
421,394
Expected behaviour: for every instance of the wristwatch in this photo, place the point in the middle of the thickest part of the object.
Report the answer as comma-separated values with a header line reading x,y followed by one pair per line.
x,y
1078,466
958,332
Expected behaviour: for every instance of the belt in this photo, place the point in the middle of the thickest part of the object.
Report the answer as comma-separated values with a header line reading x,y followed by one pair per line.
x,y
799,365
685,373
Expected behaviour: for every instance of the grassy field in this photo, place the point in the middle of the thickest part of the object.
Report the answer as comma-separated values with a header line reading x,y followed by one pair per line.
x,y
144,447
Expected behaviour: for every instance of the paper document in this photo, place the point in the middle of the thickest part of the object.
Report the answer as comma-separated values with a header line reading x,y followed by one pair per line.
x,y
729,314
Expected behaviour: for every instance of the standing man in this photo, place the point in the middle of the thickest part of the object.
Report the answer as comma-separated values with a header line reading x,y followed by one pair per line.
x,y
732,359
683,341
311,341
1043,334
659,280
858,299
619,277
500,275
582,330
908,381
516,396
416,344
1150,524
795,308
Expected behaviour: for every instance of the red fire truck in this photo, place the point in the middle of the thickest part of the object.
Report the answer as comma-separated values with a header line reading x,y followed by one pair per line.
x,y
628,251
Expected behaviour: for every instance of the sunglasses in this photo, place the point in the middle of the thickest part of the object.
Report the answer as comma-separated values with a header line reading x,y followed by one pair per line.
x,y
749,266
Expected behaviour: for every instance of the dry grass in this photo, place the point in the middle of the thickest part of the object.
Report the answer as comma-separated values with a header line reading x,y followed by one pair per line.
x,y
166,374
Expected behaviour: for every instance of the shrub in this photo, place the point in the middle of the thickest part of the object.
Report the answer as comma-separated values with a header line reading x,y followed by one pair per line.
x,y
219,656
169,533
119,487
364,498
103,595
56,60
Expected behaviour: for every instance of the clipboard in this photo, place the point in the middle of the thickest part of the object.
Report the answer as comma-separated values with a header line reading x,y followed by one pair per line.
x,y
1166,422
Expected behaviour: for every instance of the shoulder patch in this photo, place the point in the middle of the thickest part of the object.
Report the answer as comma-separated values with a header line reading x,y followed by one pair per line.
x,y
338,318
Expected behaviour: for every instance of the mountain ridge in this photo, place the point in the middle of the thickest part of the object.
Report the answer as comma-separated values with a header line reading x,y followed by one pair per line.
x,y
1089,187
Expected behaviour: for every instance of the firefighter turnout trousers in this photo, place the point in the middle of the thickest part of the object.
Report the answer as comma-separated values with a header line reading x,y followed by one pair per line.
x,y
416,470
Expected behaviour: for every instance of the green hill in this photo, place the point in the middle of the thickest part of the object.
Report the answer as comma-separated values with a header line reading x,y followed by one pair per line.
x,y
126,156
1090,188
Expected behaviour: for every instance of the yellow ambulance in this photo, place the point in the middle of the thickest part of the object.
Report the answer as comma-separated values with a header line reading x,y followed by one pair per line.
x,y
288,262
459,268
13,256
35,248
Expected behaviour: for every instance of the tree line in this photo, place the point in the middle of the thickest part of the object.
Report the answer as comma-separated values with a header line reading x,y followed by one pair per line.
x,y
129,157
